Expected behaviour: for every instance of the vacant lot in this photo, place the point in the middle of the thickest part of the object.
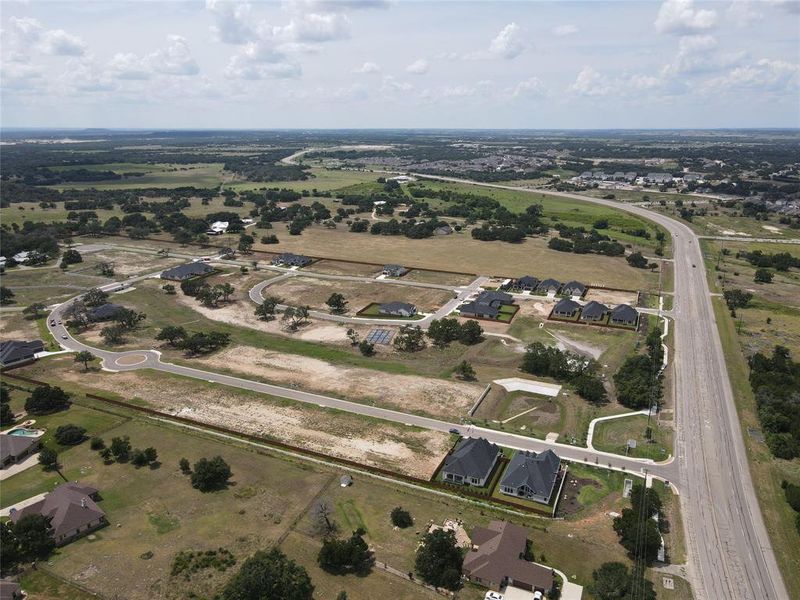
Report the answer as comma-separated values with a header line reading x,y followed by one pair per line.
x,y
613,436
314,292
345,435
335,267
407,393
460,252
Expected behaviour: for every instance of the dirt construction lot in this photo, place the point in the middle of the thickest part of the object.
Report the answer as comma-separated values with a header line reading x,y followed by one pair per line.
x,y
344,435
407,393
314,292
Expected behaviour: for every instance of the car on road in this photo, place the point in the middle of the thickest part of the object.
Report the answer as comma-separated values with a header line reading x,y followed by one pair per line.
x,y
52,322
65,337
59,321
455,430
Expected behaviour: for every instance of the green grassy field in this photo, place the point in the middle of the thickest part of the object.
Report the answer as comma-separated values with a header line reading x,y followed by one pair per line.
x,y
201,175
323,180
613,435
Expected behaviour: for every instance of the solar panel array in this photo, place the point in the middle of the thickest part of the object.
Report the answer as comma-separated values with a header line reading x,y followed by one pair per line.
x,y
379,336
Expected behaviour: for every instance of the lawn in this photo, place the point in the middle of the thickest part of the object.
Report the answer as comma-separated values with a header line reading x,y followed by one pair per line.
x,y
613,435
323,180
201,175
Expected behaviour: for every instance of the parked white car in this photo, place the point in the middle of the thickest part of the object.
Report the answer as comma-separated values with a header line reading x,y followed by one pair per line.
x,y
493,596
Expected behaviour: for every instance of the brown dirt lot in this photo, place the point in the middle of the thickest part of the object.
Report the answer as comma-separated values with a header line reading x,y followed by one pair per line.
x,y
314,292
331,432
408,393
611,298
127,264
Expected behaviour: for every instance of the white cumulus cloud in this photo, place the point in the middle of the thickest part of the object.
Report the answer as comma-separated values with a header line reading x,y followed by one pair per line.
x,y
367,67
682,18
418,67
562,30
508,43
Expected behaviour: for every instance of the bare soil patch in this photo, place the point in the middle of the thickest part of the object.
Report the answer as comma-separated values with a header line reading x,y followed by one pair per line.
x,y
314,292
334,267
408,393
611,297
127,264
343,435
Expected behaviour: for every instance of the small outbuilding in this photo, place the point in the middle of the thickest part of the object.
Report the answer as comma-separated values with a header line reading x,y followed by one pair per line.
x,y
394,270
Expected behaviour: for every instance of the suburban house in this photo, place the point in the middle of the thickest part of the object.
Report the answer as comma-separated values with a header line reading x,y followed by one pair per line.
x,y
574,288
289,259
594,311
532,476
471,462
486,305
104,312
624,314
443,230
394,270
566,309
15,448
549,287
397,309
527,283
218,228
14,353
187,271
496,560
659,178
71,508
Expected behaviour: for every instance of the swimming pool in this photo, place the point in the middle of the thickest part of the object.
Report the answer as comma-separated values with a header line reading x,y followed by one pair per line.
x,y
26,432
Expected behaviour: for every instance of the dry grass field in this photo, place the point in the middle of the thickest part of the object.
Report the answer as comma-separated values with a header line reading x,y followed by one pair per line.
x,y
459,252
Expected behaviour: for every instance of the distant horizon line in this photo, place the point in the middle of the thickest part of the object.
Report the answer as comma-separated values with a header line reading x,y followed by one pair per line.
x,y
234,129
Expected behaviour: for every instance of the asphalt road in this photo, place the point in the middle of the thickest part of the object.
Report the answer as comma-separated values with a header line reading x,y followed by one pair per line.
x,y
730,555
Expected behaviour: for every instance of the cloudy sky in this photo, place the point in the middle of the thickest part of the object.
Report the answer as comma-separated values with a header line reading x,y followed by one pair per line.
x,y
350,63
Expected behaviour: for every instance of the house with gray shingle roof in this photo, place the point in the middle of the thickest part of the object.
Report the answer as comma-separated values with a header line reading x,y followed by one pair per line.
x,y
624,314
14,448
104,312
471,462
526,283
574,288
481,310
71,508
594,311
394,270
397,309
187,271
531,476
566,309
16,353
289,259
549,286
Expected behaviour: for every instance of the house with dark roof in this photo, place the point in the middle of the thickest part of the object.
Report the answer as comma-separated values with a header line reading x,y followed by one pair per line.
x,y
471,462
624,315
494,298
527,283
480,310
532,476
574,288
496,560
16,448
594,311
290,259
394,270
443,230
548,286
397,309
71,508
104,312
566,309
14,353
187,271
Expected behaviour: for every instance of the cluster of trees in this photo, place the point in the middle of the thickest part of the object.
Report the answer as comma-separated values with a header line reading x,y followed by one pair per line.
x,y
567,366
265,167
266,310
503,233
580,241
444,331
207,294
25,541
298,216
69,434
639,379
341,556
782,261
614,581
638,261
269,574
6,414
122,451
775,381
736,299
193,343
639,527
208,474
410,338
439,560
70,257
792,495
46,399
411,228
401,518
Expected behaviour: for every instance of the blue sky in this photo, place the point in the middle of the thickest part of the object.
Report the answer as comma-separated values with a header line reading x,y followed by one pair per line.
x,y
348,63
